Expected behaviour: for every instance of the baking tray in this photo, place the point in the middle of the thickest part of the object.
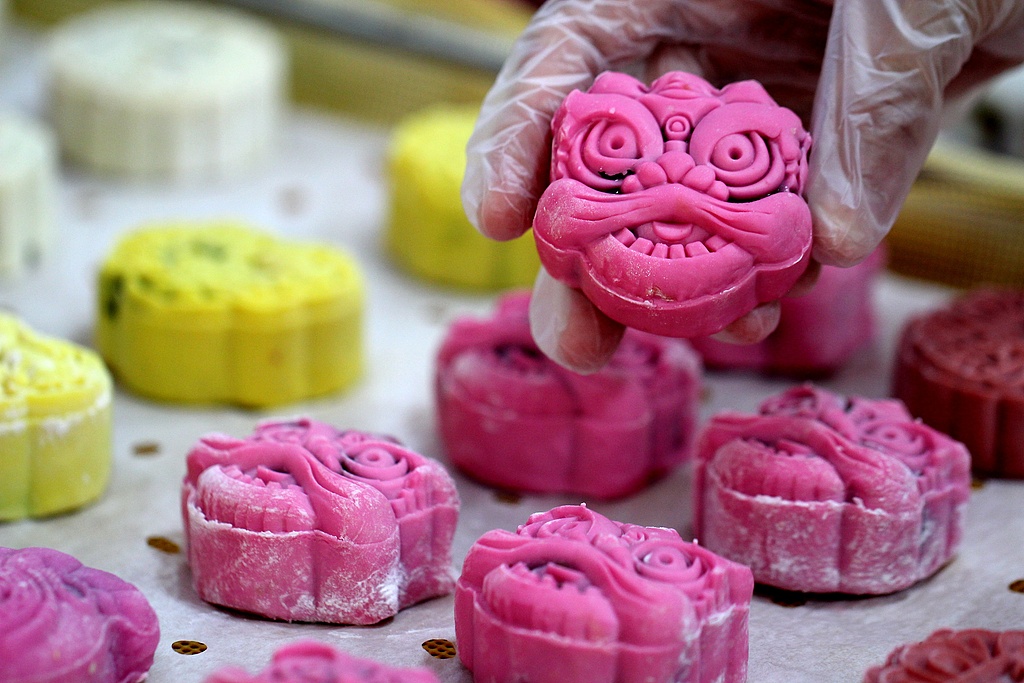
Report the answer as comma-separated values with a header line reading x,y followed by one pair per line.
x,y
327,183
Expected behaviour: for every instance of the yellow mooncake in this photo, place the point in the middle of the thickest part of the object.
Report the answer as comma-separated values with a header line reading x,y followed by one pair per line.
x,y
55,423
223,313
428,233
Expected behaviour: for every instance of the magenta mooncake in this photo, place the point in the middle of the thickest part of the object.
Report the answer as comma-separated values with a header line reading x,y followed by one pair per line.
x,y
573,597
947,656
961,370
304,522
818,332
313,662
62,622
821,494
514,419
676,208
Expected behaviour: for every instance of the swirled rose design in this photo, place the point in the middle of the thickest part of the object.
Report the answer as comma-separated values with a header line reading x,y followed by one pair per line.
x,y
308,661
817,491
512,418
578,592
677,207
382,515
948,656
960,369
62,622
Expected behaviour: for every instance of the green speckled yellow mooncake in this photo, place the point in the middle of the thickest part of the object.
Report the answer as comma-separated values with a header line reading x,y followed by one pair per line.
x,y
223,313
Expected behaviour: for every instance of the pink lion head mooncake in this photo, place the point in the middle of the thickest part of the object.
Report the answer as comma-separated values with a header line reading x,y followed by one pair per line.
x,y
62,622
313,662
818,493
573,597
947,656
512,418
304,522
676,208
960,369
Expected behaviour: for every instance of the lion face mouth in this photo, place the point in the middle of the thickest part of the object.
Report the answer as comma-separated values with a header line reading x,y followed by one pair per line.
x,y
678,200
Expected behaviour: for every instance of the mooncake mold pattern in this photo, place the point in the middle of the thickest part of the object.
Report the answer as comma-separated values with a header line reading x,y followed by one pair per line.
x,y
28,187
62,622
961,370
55,423
821,494
428,233
224,313
310,662
166,90
676,208
304,522
948,656
511,418
573,597
818,332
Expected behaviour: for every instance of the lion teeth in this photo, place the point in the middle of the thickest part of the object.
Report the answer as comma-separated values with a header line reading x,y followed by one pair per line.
x,y
716,242
696,249
625,236
643,245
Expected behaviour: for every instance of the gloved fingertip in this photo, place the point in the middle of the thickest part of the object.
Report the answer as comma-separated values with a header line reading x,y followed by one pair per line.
x,y
754,326
568,329
503,216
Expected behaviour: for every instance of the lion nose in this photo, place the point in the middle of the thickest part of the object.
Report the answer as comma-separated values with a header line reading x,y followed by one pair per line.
x,y
676,166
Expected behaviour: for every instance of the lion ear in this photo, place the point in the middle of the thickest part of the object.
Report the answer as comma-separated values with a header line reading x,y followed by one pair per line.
x,y
746,91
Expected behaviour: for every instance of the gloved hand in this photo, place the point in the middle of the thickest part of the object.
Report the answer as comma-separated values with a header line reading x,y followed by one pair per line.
x,y
873,77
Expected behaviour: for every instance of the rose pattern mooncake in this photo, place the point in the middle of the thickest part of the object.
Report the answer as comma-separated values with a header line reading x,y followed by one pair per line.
x,y
676,208
62,622
818,332
947,656
313,662
821,494
961,370
55,423
511,418
303,522
573,597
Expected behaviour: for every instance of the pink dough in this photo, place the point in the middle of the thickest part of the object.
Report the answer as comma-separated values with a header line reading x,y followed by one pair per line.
x,y
573,597
304,522
818,493
818,332
678,207
62,622
961,370
946,656
313,662
513,419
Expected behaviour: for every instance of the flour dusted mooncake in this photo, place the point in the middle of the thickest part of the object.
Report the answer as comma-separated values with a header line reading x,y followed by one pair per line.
x,y
28,188
818,493
574,597
676,208
948,656
55,423
514,419
961,370
304,522
428,233
166,90
62,622
223,313
310,661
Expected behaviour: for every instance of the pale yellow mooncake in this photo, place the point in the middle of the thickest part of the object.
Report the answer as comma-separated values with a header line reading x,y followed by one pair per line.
x,y
55,423
224,313
428,233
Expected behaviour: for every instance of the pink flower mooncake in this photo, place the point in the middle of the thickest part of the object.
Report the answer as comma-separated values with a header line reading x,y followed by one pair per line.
x,y
303,522
961,370
821,494
676,208
947,656
512,418
313,662
573,597
62,622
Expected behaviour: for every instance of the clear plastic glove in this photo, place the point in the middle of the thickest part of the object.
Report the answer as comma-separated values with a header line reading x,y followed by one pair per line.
x,y
873,78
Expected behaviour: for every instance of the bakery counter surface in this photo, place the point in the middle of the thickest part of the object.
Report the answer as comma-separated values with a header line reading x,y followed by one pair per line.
x,y
327,184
